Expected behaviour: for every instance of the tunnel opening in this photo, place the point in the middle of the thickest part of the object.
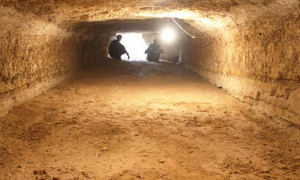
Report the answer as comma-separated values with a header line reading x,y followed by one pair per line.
x,y
135,46
168,36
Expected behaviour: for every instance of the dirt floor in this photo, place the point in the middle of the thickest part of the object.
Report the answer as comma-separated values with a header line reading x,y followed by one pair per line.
x,y
144,121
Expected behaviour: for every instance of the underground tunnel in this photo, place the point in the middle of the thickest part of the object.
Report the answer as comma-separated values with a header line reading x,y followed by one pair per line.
x,y
223,102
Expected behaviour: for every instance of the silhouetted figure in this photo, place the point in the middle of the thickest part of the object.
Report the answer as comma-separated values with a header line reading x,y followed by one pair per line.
x,y
116,49
154,50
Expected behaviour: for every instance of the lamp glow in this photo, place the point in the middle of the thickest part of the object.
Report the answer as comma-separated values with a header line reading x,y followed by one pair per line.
x,y
168,35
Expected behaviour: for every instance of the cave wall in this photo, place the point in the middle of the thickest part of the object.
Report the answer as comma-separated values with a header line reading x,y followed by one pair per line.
x,y
94,49
257,62
34,56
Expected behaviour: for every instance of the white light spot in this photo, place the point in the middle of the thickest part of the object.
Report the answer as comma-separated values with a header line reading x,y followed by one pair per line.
x,y
135,46
168,35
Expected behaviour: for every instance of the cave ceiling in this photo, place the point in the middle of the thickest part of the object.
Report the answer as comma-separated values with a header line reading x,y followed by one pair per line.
x,y
98,10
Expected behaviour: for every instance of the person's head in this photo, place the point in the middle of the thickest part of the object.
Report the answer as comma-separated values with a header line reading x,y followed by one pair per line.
x,y
119,37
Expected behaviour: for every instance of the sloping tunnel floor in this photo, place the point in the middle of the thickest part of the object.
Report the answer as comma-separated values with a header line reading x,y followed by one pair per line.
x,y
139,120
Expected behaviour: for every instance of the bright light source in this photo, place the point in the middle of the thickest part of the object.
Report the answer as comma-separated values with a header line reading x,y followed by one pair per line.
x,y
168,35
135,46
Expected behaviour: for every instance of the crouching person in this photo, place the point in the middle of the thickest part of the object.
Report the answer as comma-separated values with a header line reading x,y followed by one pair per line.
x,y
154,50
116,49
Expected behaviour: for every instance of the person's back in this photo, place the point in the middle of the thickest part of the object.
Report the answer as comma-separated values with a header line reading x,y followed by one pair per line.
x,y
116,49
154,51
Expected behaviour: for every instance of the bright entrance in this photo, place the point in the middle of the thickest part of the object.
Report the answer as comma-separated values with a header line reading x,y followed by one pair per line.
x,y
135,46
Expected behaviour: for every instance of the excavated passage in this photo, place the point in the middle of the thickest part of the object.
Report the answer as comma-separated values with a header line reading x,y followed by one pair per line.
x,y
144,121
150,121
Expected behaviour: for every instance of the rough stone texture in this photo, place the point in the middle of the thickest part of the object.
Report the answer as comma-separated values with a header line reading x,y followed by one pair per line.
x,y
92,49
34,57
257,62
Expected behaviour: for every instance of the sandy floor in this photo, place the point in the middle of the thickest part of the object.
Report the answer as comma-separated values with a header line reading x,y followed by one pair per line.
x,y
144,121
